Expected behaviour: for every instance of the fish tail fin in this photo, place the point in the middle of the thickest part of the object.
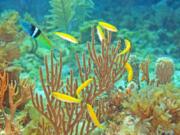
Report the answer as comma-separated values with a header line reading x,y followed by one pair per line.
x,y
45,41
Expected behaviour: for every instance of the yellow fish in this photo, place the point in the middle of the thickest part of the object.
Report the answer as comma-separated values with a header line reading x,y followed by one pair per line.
x,y
100,33
82,86
65,98
67,37
130,71
93,116
108,26
128,47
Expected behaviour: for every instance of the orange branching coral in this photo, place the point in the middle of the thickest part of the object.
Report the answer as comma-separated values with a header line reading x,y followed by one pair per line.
x,y
17,96
64,117
23,93
67,118
3,87
105,69
144,66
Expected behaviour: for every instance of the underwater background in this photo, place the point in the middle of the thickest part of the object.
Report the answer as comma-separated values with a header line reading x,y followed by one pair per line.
x,y
98,67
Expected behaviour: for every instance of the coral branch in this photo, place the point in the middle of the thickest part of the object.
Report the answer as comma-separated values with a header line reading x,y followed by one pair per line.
x,y
69,118
144,66
106,70
3,86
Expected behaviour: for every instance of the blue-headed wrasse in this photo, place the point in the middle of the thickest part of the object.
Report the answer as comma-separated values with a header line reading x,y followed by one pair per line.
x,y
67,37
36,33
108,26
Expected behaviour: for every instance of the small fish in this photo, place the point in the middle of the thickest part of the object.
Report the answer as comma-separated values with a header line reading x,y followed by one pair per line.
x,y
126,50
36,33
82,86
108,26
128,47
130,71
65,98
93,116
67,37
100,33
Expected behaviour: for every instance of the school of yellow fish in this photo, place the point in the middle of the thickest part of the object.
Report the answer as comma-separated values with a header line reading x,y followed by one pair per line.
x,y
101,27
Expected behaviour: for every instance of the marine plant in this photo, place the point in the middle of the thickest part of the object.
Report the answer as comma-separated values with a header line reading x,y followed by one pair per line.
x,y
68,118
67,13
154,109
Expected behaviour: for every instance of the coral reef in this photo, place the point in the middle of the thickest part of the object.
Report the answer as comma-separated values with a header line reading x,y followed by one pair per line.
x,y
164,70
158,105
144,67
132,108
154,110
68,118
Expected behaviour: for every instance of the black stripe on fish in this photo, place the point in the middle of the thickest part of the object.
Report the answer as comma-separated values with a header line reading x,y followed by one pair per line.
x,y
35,32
